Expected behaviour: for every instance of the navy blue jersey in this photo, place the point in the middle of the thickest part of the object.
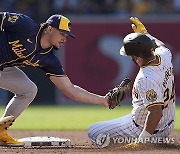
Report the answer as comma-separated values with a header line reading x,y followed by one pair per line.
x,y
20,45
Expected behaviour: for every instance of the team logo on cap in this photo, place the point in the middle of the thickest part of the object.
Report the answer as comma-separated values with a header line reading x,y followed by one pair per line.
x,y
13,19
151,95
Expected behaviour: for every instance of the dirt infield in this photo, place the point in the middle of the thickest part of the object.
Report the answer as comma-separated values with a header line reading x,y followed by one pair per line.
x,y
81,145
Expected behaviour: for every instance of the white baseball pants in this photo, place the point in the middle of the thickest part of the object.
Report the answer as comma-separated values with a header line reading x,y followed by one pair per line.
x,y
122,127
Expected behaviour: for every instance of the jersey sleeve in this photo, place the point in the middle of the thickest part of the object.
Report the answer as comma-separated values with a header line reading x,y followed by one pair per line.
x,y
150,93
52,66
162,50
17,23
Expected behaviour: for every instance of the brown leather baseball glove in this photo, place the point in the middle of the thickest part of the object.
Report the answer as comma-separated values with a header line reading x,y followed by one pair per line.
x,y
118,93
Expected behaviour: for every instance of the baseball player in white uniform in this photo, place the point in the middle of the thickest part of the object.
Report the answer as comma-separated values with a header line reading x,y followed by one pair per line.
x,y
153,93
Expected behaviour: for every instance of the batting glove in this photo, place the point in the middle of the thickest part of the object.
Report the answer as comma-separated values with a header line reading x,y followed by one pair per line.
x,y
137,26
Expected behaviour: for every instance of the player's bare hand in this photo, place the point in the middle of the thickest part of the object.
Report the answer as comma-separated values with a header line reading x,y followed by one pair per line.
x,y
138,26
105,102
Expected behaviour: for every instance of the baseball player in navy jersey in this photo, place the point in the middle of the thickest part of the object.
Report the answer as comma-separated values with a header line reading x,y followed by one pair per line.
x,y
26,43
153,93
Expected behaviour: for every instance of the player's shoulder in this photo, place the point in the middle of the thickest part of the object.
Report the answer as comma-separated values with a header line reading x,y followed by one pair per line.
x,y
163,51
147,81
26,19
147,75
18,22
13,16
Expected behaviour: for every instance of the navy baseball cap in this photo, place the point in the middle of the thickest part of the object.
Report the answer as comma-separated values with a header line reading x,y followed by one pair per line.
x,y
61,23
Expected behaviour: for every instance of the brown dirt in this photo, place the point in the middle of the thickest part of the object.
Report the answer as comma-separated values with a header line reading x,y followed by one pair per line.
x,y
81,145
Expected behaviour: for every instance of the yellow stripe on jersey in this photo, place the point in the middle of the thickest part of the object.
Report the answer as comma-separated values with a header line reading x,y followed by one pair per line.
x,y
157,64
50,74
4,16
43,53
154,104
159,61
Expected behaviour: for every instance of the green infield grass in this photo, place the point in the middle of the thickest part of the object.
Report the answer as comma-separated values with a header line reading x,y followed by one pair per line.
x,y
69,117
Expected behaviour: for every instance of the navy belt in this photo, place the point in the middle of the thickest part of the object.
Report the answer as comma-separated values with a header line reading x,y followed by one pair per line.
x,y
156,129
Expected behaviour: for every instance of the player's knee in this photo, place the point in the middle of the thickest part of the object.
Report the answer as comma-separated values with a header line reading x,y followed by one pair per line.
x,y
29,92
92,133
98,136
33,91
89,133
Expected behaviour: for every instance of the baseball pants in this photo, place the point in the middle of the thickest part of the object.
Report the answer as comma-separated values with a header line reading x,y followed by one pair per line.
x,y
15,80
122,127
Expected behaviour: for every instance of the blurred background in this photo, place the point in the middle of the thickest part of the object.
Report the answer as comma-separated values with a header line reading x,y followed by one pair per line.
x,y
92,59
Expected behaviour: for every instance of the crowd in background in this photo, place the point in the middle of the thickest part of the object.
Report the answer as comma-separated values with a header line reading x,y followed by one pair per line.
x,y
41,9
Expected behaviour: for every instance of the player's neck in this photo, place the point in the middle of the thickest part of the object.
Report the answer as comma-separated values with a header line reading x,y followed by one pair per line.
x,y
44,41
150,61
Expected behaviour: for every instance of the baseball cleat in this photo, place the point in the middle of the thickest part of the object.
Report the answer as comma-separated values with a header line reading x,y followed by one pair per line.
x,y
133,145
5,122
7,140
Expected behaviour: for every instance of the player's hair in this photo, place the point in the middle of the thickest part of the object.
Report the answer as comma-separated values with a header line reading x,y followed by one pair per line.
x,y
139,45
44,25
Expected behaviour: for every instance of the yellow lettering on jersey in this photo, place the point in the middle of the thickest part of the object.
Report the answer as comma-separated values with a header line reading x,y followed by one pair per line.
x,y
135,93
27,62
167,75
17,48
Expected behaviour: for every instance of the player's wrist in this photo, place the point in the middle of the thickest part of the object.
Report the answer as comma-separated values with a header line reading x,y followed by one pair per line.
x,y
104,101
144,134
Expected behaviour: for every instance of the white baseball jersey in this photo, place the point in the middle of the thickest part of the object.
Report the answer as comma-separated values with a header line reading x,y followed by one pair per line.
x,y
154,85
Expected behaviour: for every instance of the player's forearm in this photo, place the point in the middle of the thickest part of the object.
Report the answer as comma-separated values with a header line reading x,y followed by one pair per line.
x,y
158,42
77,93
81,95
152,122
153,118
